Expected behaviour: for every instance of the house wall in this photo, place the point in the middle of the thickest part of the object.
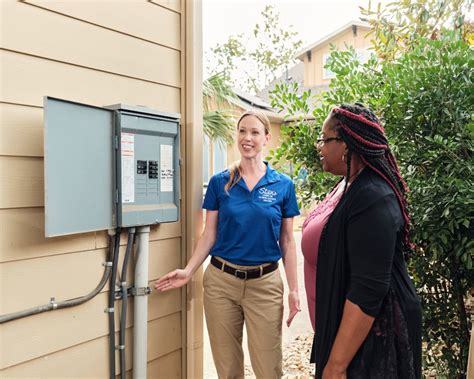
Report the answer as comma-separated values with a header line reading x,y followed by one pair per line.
x,y
313,70
99,53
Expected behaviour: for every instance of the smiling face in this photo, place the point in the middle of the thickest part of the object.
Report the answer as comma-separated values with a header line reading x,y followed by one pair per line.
x,y
251,137
331,150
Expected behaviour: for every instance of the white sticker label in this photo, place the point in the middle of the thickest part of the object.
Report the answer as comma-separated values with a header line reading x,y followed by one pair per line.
x,y
128,168
166,177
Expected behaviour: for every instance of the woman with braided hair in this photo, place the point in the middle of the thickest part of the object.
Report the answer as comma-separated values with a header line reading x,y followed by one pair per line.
x,y
365,311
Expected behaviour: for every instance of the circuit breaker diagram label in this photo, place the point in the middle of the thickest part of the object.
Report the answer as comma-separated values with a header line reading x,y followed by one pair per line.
x,y
166,177
128,158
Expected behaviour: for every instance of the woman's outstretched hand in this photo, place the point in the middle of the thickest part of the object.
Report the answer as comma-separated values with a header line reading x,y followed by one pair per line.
x,y
172,280
293,305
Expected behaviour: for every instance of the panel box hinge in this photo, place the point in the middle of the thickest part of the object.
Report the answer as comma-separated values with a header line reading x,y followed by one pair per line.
x,y
116,195
116,142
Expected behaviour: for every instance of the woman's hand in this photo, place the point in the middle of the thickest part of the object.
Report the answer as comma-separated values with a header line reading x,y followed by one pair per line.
x,y
334,372
294,306
172,280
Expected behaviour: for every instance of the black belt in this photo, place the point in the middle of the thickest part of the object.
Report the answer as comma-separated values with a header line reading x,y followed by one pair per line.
x,y
253,273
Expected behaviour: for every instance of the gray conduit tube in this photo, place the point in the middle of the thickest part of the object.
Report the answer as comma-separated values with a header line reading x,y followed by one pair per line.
x,y
66,303
111,306
140,305
123,313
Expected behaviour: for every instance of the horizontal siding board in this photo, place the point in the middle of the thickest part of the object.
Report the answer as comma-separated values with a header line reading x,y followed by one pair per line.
x,y
45,333
136,18
50,332
164,256
87,45
22,236
166,367
164,335
22,182
170,4
68,276
27,79
157,232
90,359
63,276
21,130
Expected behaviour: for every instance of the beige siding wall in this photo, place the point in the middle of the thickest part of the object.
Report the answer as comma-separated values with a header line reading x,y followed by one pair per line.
x,y
313,70
98,53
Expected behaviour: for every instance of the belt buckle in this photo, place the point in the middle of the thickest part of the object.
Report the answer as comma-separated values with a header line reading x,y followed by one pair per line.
x,y
238,273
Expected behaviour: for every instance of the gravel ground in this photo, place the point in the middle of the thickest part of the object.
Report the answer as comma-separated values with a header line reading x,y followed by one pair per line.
x,y
295,359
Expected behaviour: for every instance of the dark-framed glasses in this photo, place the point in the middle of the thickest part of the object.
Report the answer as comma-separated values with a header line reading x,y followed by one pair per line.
x,y
322,141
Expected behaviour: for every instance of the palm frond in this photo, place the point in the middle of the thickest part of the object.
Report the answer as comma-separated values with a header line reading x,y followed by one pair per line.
x,y
218,122
216,91
219,126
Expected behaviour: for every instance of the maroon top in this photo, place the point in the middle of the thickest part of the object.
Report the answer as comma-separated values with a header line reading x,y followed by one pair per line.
x,y
312,228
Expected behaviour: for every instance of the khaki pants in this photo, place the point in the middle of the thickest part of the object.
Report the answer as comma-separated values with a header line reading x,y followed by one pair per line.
x,y
228,303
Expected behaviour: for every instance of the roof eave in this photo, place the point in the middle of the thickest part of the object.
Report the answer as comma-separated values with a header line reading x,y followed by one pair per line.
x,y
300,54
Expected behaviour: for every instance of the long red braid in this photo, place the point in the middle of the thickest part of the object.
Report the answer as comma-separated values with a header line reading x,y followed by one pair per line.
x,y
365,136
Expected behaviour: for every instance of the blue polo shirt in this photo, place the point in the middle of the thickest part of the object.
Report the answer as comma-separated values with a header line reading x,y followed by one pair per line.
x,y
249,222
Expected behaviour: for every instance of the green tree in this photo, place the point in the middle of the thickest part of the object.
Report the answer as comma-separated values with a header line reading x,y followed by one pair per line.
x,y
253,61
423,92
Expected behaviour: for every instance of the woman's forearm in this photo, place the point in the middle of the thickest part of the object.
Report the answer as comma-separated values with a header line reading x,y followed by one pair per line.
x,y
200,253
353,330
204,243
289,262
288,251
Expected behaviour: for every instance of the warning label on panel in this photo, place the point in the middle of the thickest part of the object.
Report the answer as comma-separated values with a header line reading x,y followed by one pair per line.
x,y
166,177
128,158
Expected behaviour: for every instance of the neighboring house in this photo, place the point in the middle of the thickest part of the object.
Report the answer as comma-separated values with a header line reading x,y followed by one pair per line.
x,y
217,157
100,53
310,72
315,55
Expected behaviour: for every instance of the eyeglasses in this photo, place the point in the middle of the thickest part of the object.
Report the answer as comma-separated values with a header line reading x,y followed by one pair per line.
x,y
322,141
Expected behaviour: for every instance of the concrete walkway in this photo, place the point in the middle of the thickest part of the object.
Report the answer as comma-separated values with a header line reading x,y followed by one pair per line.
x,y
301,324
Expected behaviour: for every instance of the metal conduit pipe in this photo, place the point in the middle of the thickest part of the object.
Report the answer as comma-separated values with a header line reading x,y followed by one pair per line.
x,y
123,313
140,304
52,305
111,306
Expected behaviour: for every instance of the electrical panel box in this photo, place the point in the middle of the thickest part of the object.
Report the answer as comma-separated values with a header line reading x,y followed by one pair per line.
x,y
148,165
106,167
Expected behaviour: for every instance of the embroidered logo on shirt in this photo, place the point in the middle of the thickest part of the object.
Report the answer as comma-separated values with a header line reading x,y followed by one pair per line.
x,y
267,195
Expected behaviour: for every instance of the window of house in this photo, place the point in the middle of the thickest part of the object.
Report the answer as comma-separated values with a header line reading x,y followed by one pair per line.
x,y
327,73
220,157
363,55
214,159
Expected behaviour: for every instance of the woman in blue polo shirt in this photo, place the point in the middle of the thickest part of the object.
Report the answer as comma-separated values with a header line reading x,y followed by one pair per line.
x,y
249,227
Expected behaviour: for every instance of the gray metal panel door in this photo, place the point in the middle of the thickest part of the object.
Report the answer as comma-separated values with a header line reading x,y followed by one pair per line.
x,y
79,167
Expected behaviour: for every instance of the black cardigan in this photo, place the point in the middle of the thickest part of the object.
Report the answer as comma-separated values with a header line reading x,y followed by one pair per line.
x,y
360,259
